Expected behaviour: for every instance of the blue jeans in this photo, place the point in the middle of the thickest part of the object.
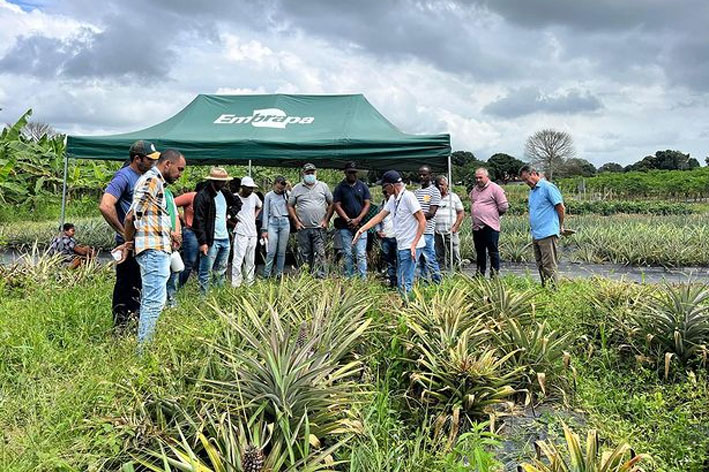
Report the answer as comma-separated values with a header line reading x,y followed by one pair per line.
x,y
406,269
278,233
214,265
350,252
172,286
190,252
428,262
389,256
154,271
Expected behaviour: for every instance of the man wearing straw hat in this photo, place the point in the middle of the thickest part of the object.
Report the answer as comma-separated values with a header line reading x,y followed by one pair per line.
x,y
212,207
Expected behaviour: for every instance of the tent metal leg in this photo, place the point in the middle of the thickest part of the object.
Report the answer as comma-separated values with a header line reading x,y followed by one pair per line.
x,y
249,167
64,191
450,213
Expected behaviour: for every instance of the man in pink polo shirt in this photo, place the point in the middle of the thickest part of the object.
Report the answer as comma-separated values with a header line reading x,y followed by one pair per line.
x,y
487,203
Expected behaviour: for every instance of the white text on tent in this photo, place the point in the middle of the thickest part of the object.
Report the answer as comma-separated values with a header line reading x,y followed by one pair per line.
x,y
268,118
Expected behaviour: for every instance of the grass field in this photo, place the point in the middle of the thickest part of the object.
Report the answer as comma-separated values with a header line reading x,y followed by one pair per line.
x,y
343,376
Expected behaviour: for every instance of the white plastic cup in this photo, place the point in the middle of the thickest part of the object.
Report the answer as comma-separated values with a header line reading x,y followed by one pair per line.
x,y
176,264
116,254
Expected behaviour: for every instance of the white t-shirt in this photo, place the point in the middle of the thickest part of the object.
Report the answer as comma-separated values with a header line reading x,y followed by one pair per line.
x,y
405,223
447,214
247,215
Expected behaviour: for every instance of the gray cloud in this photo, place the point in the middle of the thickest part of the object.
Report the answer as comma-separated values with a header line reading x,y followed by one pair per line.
x,y
528,100
118,51
598,15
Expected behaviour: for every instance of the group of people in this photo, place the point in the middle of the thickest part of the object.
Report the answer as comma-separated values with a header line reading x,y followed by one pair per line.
x,y
158,248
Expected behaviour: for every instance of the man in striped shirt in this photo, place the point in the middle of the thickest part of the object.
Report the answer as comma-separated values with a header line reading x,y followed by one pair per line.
x,y
429,198
148,229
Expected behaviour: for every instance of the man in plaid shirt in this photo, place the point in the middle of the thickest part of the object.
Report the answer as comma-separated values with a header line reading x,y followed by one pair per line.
x,y
148,229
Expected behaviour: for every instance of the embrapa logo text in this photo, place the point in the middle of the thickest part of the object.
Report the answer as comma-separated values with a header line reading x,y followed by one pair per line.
x,y
265,118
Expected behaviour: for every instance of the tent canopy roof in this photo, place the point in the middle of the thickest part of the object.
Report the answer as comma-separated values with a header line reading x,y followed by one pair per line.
x,y
278,130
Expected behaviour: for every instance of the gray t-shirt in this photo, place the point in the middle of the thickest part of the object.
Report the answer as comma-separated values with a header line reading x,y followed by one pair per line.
x,y
428,196
310,203
405,223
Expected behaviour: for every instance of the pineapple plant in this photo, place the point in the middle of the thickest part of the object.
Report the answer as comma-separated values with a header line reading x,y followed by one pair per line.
x,y
575,459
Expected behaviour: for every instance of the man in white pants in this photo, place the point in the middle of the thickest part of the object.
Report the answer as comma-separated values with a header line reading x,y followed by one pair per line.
x,y
245,235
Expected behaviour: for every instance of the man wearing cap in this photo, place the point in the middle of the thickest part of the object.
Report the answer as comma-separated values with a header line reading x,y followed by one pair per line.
x,y
409,224
114,206
276,226
211,210
245,234
429,198
148,227
310,207
352,199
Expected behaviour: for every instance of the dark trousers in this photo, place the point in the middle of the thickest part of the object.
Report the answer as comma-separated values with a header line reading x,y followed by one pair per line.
x,y
190,253
389,256
126,292
486,242
311,250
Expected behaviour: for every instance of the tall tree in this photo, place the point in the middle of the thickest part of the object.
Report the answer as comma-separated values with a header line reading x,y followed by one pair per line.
x,y
665,160
549,149
610,167
577,167
464,165
503,167
34,130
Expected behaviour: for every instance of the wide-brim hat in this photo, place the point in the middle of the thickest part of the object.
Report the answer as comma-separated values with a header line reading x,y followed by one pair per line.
x,y
218,173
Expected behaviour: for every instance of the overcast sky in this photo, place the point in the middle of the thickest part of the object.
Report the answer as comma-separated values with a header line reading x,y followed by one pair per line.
x,y
624,77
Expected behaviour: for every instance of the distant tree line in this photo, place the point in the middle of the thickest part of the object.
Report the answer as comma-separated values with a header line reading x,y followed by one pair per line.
x,y
553,152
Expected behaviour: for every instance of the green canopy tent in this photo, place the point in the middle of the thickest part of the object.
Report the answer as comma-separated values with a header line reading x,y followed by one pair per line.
x,y
277,130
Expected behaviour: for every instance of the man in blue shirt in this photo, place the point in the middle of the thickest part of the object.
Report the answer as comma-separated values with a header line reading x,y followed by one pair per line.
x,y
546,219
114,206
352,200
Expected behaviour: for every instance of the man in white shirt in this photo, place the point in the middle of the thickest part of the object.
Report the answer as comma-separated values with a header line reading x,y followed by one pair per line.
x,y
245,234
449,217
409,225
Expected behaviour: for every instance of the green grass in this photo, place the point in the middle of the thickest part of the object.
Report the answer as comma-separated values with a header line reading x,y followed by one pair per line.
x,y
75,397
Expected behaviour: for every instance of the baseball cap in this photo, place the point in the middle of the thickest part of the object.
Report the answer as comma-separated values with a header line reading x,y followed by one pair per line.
x,y
351,166
248,182
390,177
144,148
309,166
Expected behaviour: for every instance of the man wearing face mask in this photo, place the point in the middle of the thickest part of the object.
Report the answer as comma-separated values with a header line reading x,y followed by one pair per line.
x,y
310,207
211,207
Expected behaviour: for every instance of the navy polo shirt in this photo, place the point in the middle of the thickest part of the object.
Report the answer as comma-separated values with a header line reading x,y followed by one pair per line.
x,y
352,198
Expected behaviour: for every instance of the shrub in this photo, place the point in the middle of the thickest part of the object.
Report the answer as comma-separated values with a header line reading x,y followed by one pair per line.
x,y
576,459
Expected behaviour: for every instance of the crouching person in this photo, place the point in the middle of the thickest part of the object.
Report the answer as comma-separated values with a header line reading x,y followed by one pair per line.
x,y
73,254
